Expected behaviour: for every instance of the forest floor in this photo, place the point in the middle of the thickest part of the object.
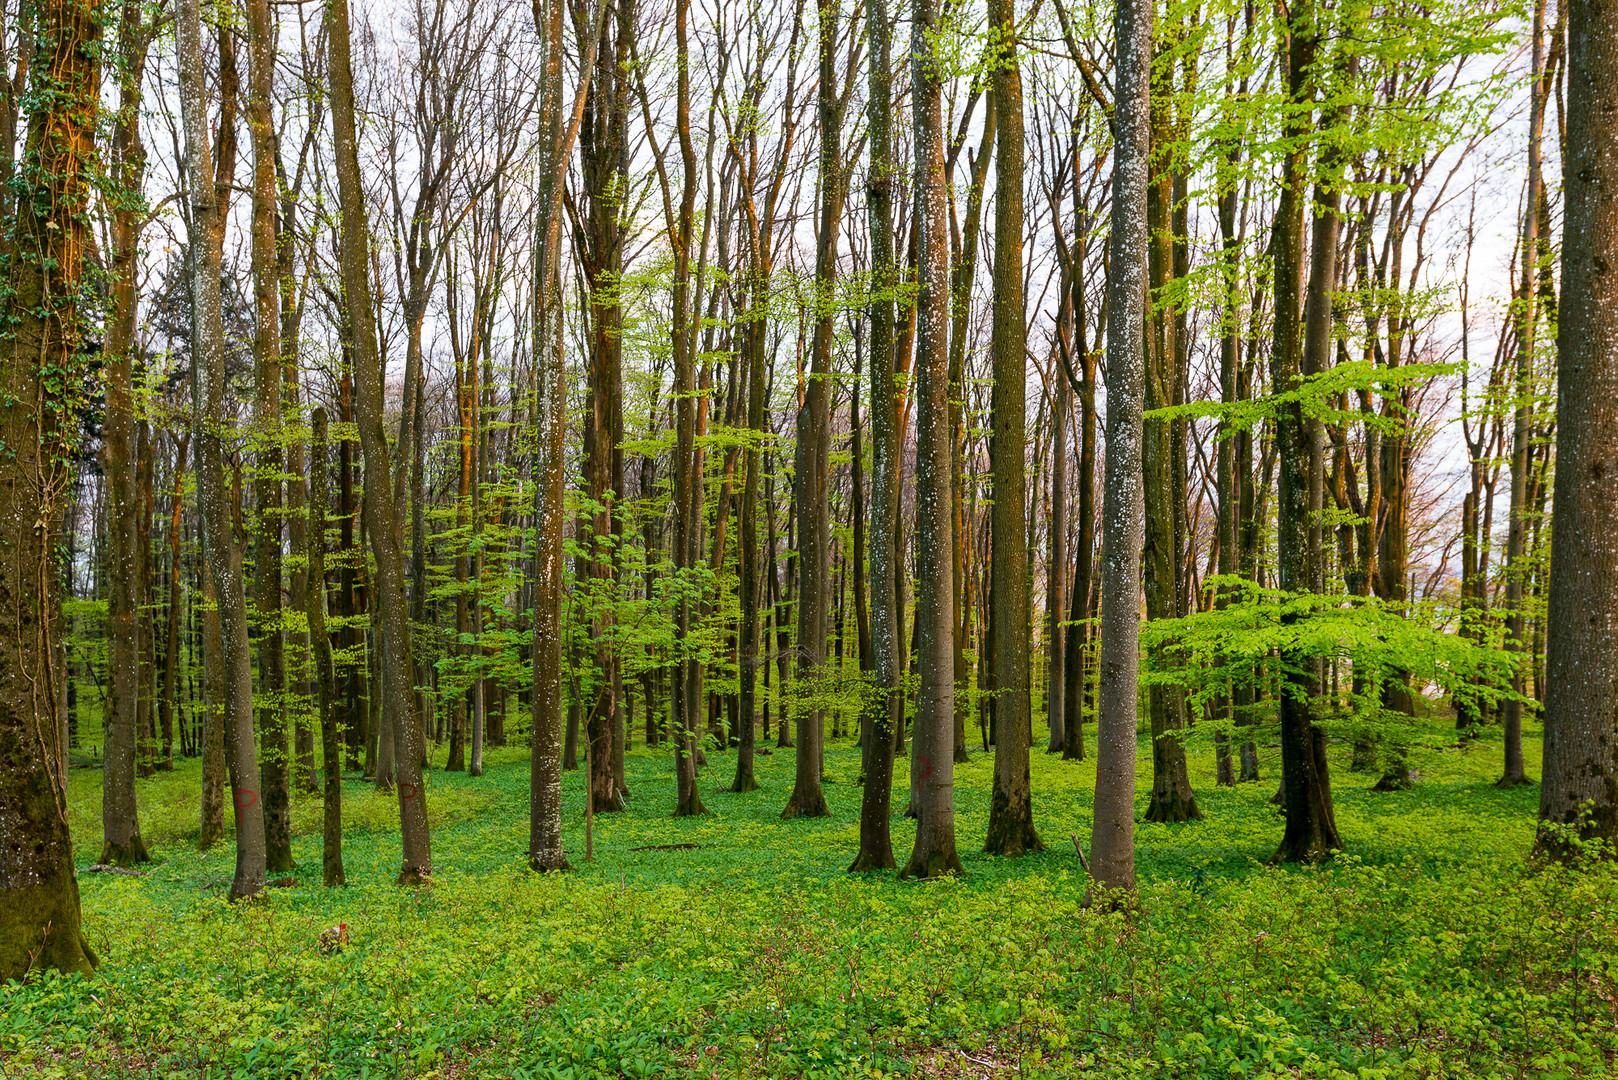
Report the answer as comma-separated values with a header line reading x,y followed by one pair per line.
x,y
1427,949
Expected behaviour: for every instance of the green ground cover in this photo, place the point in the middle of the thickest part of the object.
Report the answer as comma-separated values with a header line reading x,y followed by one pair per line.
x,y
1427,950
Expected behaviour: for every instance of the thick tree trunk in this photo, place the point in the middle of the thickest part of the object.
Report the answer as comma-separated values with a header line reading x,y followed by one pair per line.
x,y
1112,859
1011,810
40,357
1579,777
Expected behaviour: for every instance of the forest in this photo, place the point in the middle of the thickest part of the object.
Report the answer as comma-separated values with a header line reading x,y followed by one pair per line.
x,y
628,538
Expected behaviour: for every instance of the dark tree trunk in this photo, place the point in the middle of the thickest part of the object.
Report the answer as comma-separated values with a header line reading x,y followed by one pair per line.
x,y
1311,829
1579,777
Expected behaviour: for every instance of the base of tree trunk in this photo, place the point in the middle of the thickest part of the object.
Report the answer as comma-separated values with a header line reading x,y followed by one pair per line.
x,y
866,863
548,864
1249,772
1011,829
1173,807
806,805
934,864
1312,848
743,784
1394,780
691,807
1519,780
52,906
128,855
414,875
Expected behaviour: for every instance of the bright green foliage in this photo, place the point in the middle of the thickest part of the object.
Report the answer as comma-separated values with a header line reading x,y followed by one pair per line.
x,y
1428,951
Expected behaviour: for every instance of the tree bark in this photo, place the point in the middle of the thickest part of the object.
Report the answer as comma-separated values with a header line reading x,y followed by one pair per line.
x,y
416,867
223,552
1011,810
315,609
121,840
1579,777
41,365
934,853
883,701
1311,829
1112,859
267,575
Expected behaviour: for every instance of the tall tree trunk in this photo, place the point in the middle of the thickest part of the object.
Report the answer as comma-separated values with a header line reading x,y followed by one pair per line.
x,y
315,610
276,764
223,552
121,840
545,770
40,364
1112,862
687,517
934,853
1579,777
394,629
1011,809
1056,572
1527,328
171,650
884,703
1311,828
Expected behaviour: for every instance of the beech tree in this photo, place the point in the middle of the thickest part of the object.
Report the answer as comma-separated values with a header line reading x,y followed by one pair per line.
x,y
1578,790
42,362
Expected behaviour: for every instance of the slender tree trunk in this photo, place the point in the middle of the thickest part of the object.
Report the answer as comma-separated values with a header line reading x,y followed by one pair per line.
x,y
883,702
208,347
1579,785
276,764
395,630
121,840
315,610
934,853
214,717
1527,319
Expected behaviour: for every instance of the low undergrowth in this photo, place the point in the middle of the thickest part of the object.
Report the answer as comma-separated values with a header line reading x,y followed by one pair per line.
x,y
1428,949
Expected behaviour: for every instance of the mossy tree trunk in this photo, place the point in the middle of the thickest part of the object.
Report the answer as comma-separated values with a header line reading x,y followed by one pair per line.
x,y
41,365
